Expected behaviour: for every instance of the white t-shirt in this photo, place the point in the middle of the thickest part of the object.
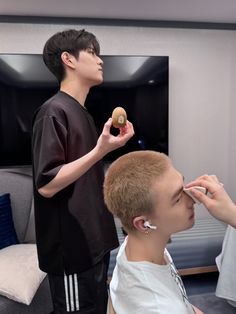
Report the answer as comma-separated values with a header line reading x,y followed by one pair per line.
x,y
147,288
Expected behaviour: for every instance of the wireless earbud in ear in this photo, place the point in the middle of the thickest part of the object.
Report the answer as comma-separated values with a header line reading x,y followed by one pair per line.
x,y
148,225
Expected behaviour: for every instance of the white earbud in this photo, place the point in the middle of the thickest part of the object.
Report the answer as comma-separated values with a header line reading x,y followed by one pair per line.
x,y
148,225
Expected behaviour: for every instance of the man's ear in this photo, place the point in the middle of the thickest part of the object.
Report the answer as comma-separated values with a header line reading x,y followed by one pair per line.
x,y
138,223
67,59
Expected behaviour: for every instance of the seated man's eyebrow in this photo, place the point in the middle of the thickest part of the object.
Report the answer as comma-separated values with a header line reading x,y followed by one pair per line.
x,y
180,190
174,196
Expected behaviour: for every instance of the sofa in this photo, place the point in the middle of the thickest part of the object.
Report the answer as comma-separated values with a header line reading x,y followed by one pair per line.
x,y
30,294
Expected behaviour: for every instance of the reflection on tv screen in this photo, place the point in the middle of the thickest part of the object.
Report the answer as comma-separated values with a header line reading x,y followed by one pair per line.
x,y
139,84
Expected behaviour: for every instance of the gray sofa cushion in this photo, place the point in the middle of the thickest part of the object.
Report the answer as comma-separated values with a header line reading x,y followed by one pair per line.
x,y
18,182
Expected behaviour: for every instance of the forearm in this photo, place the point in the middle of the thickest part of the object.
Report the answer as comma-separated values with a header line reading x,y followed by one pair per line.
x,y
70,172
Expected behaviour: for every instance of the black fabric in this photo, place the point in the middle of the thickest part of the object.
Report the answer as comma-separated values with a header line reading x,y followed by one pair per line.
x,y
74,230
92,290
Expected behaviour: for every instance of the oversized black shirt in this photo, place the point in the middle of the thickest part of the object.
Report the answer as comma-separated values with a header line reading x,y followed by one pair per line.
x,y
74,230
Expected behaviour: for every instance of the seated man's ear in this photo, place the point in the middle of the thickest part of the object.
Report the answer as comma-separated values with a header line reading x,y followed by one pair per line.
x,y
142,224
139,223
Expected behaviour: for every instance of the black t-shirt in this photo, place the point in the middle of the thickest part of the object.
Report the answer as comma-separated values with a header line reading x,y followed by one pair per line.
x,y
74,229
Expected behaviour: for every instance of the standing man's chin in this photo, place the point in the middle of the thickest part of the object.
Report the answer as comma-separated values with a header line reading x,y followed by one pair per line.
x,y
101,80
97,82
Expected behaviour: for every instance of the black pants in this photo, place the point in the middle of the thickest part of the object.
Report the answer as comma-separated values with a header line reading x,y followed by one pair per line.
x,y
81,293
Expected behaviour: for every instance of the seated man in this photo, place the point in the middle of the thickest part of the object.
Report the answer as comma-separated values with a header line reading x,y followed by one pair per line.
x,y
145,191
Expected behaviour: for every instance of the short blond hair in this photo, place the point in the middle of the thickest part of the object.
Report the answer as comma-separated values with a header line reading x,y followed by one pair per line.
x,y
128,183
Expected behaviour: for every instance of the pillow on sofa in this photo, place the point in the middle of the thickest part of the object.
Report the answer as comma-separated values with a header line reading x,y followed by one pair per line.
x,y
20,275
7,230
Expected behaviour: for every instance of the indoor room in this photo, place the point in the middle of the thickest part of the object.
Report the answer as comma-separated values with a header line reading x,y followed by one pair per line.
x,y
171,66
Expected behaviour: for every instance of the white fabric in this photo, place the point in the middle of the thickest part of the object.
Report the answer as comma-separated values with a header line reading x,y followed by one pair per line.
x,y
144,287
20,275
226,263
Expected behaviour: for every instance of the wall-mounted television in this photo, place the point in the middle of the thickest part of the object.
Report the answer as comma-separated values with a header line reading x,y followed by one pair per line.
x,y
139,84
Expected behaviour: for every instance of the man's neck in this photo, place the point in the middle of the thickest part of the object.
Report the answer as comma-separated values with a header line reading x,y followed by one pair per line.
x,y
75,90
146,247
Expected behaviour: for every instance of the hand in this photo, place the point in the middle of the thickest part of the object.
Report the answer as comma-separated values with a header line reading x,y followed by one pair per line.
x,y
108,142
218,202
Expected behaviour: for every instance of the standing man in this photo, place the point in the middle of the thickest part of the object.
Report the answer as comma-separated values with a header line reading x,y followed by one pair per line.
x,y
75,233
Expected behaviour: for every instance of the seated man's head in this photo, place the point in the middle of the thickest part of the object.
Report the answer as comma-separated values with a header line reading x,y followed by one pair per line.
x,y
144,186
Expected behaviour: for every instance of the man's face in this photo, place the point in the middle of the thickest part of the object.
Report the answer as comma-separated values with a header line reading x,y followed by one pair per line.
x,y
174,210
90,67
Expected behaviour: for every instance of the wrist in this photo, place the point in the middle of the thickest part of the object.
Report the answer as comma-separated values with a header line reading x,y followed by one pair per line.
x,y
233,218
98,152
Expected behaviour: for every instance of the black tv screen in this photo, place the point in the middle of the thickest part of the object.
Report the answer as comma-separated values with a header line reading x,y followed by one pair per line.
x,y
139,84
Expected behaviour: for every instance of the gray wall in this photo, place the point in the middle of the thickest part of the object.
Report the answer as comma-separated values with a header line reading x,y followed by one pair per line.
x,y
202,95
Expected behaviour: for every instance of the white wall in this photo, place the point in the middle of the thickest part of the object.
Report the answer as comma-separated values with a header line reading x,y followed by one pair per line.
x,y
232,122
202,95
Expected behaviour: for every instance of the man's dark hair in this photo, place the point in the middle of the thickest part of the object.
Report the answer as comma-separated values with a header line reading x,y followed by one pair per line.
x,y
72,41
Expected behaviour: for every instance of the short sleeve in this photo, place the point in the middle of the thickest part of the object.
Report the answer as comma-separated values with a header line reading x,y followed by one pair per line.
x,y
49,149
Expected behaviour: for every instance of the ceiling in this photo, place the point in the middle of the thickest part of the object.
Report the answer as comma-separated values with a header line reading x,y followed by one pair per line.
x,y
204,11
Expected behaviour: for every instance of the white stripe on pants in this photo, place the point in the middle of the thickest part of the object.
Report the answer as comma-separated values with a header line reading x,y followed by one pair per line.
x,y
71,292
